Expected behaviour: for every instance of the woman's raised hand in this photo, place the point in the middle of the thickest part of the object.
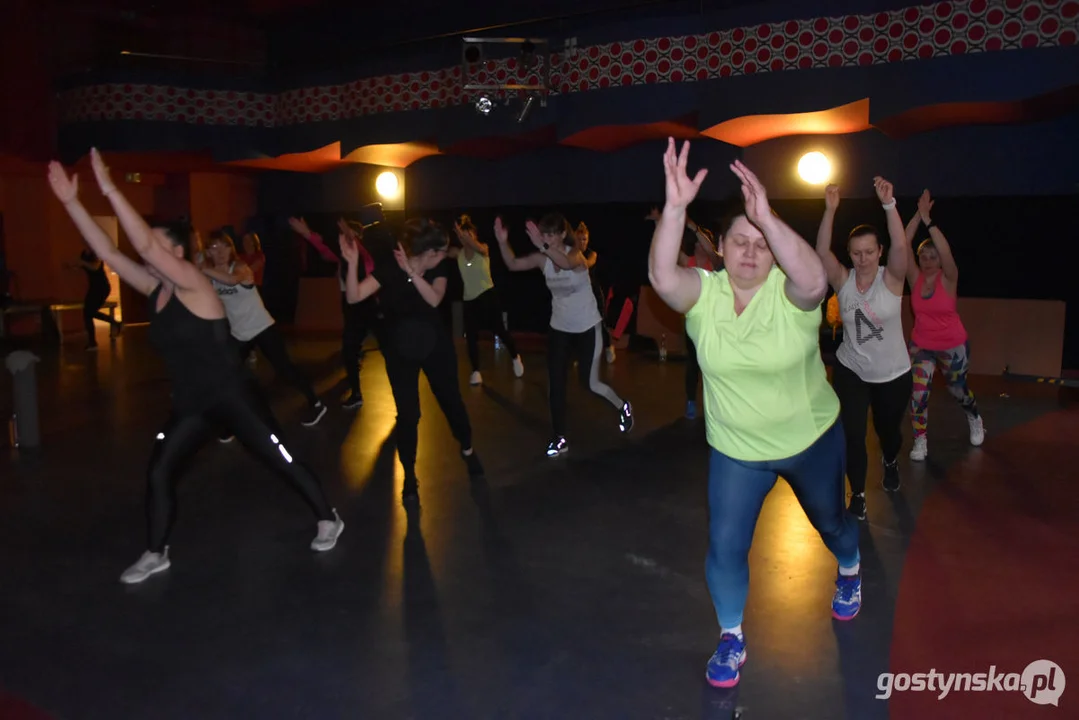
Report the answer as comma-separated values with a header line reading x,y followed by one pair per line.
x,y
534,234
101,172
925,206
885,191
680,189
501,233
349,251
64,188
831,197
401,257
756,198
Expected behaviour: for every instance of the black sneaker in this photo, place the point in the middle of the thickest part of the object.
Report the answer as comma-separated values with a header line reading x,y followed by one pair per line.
x,y
314,415
625,418
557,447
475,469
353,401
891,476
857,506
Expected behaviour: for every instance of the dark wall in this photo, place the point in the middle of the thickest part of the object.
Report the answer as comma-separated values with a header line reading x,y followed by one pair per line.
x,y
1005,198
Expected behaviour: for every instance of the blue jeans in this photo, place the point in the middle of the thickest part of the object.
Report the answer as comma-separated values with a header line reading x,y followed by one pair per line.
x,y
736,492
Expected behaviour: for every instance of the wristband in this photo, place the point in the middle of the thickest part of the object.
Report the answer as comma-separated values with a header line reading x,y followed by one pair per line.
x,y
930,225
889,206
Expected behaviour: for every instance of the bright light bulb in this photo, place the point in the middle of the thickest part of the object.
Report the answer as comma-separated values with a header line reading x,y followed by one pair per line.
x,y
815,168
387,185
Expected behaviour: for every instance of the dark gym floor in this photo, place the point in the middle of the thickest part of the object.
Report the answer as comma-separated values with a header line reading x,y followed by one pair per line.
x,y
566,588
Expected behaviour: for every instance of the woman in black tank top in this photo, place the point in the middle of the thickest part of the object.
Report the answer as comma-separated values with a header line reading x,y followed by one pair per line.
x,y
97,292
209,386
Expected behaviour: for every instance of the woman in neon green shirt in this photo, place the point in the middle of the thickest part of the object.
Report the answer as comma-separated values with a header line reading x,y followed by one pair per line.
x,y
769,409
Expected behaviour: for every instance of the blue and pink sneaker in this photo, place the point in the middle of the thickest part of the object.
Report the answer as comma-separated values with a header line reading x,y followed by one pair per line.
x,y
723,666
847,600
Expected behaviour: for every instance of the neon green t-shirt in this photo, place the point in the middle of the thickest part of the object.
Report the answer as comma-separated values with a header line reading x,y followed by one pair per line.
x,y
475,274
766,391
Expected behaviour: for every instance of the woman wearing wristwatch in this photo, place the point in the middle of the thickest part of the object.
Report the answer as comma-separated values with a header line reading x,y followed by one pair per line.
x,y
575,320
416,338
938,338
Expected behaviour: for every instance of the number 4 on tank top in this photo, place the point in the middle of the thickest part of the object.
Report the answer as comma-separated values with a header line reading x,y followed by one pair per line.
x,y
860,321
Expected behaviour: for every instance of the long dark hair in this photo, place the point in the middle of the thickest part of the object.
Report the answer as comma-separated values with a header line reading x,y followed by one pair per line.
x,y
555,223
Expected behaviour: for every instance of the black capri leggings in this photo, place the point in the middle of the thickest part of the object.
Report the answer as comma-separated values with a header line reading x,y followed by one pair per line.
x,y
889,402
247,417
272,344
440,367
484,311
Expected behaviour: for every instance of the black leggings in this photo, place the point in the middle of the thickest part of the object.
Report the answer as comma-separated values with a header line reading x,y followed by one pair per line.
x,y
246,416
889,402
586,345
693,370
485,312
272,344
359,322
440,367
91,306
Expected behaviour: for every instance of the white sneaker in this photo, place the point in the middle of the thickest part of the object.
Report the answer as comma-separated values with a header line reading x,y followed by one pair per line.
x,y
977,430
920,449
476,378
518,366
610,354
328,532
149,564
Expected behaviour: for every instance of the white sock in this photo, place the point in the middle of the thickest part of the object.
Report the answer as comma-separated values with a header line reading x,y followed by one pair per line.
x,y
847,572
736,630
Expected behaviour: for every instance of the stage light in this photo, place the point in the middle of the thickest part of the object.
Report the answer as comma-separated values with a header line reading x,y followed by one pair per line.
x,y
484,105
814,168
387,185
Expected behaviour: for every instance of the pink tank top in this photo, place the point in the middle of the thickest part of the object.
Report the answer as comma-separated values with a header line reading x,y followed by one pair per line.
x,y
936,320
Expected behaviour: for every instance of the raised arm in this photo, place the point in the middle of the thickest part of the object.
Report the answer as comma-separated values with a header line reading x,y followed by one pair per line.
x,y
560,256
431,292
67,192
355,291
899,250
590,259
807,281
469,240
910,232
182,274
535,261
679,287
299,225
837,274
948,268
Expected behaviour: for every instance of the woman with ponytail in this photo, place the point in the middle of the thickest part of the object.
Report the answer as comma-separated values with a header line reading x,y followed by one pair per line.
x,y
576,324
481,307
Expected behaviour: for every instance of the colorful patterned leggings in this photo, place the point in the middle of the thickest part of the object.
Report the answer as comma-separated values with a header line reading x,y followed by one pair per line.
x,y
954,363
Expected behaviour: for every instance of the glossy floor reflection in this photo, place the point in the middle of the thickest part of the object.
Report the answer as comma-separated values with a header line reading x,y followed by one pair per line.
x,y
567,588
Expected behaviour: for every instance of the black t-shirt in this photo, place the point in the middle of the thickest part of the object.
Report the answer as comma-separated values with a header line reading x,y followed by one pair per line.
x,y
412,323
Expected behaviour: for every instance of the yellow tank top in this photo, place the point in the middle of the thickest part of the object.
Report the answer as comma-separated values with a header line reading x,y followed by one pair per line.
x,y
475,274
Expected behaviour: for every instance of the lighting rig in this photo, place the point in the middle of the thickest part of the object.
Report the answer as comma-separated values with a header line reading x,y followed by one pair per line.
x,y
534,58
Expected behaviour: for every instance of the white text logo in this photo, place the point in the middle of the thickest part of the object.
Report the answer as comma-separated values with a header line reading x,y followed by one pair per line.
x,y
1042,682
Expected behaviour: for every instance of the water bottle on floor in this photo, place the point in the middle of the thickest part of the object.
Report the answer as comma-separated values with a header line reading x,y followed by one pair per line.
x,y
663,348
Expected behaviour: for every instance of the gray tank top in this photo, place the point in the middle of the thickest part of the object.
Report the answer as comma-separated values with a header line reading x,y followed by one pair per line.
x,y
247,315
873,346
